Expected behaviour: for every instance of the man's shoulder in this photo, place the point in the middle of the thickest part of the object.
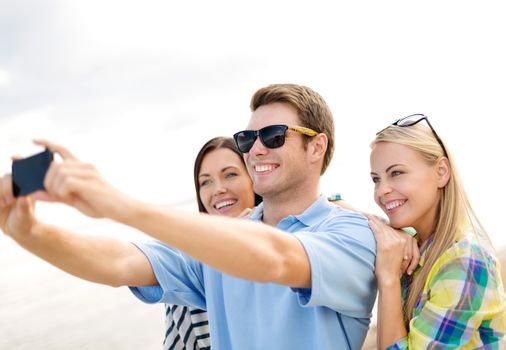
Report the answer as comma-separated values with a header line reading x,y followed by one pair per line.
x,y
348,225
339,215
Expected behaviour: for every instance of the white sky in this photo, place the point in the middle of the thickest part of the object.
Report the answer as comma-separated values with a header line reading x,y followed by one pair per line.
x,y
137,87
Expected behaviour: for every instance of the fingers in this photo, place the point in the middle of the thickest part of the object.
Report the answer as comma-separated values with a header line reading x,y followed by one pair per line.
x,y
415,257
395,248
378,225
411,254
64,179
62,151
245,214
373,223
43,196
24,206
6,195
408,249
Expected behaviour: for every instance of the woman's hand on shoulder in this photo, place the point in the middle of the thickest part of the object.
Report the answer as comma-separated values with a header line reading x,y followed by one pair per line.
x,y
396,251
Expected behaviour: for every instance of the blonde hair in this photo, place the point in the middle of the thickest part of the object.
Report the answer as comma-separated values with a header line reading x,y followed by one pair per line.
x,y
454,213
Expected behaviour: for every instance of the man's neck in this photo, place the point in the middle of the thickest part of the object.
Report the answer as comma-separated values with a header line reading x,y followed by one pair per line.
x,y
282,205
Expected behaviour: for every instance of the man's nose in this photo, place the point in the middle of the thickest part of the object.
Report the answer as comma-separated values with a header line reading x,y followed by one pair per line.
x,y
258,148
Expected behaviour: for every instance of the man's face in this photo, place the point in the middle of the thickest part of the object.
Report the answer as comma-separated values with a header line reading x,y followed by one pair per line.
x,y
278,170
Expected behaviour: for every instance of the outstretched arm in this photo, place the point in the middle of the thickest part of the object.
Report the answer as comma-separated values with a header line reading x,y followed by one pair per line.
x,y
241,248
97,259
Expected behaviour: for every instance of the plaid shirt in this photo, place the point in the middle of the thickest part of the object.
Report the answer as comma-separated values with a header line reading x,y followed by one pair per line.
x,y
462,305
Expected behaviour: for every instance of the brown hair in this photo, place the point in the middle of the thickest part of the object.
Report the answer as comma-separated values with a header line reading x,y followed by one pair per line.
x,y
312,110
211,145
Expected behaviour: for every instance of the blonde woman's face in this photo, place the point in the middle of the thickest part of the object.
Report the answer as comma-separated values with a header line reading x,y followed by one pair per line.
x,y
405,186
225,186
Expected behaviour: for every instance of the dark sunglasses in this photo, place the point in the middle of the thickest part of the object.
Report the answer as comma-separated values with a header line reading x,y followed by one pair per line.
x,y
413,119
272,136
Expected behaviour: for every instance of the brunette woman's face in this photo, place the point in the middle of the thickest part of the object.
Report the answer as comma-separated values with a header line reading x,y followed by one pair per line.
x,y
225,186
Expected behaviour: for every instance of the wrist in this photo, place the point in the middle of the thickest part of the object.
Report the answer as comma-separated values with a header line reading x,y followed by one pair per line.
x,y
389,281
28,233
131,212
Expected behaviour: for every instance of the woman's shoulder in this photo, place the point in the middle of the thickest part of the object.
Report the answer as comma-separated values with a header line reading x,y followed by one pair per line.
x,y
471,253
472,244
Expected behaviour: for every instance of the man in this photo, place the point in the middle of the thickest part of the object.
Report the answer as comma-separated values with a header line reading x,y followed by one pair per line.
x,y
297,275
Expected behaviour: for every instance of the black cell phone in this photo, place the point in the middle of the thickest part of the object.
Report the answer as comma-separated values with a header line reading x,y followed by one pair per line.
x,y
28,173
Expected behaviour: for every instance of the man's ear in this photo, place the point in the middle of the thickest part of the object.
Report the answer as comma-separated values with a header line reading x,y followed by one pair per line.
x,y
317,147
443,170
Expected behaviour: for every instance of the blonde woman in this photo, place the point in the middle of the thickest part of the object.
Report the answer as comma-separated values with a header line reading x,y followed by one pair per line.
x,y
454,298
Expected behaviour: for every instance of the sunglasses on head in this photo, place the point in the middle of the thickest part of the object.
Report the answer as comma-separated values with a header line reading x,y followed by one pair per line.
x,y
272,136
413,119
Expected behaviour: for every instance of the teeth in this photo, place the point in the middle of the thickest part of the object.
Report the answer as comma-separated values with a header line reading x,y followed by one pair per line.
x,y
394,204
224,204
262,168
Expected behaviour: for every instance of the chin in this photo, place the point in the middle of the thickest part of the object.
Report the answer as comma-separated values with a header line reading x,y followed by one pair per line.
x,y
232,214
260,190
398,224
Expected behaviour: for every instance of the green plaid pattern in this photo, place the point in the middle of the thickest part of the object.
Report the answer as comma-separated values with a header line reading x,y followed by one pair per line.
x,y
462,305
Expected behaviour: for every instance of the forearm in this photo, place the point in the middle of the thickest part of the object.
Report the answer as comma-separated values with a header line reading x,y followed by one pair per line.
x,y
237,247
390,313
98,259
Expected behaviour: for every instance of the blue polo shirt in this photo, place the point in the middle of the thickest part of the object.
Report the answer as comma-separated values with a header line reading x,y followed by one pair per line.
x,y
244,315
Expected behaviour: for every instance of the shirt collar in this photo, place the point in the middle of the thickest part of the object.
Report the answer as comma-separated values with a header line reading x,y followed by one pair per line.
x,y
313,215
423,250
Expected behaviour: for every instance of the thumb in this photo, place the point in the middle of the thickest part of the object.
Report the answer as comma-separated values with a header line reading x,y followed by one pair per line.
x,y
42,196
24,207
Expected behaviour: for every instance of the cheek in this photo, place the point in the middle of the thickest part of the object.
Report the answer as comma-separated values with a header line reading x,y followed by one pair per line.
x,y
204,195
245,188
376,196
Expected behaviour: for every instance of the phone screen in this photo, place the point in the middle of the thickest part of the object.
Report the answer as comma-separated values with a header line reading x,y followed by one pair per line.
x,y
28,173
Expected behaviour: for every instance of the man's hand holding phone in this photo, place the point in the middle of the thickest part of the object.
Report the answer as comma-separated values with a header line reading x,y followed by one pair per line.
x,y
27,177
28,173
16,214
68,181
81,186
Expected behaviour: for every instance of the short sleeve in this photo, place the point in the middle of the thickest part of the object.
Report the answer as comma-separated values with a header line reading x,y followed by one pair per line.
x,y
342,254
180,277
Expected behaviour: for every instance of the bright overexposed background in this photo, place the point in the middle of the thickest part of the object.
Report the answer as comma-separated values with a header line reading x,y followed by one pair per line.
x,y
137,87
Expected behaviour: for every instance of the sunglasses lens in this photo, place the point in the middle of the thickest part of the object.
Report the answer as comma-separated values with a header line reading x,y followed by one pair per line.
x,y
273,136
245,140
410,120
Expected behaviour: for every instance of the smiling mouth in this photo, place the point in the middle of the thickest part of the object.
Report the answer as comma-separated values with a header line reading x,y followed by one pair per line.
x,y
225,204
395,204
265,168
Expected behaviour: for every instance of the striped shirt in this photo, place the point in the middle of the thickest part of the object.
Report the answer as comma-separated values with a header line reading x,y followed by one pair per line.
x,y
187,328
462,305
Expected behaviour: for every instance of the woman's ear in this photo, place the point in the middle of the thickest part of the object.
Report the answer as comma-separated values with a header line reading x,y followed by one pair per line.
x,y
443,171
